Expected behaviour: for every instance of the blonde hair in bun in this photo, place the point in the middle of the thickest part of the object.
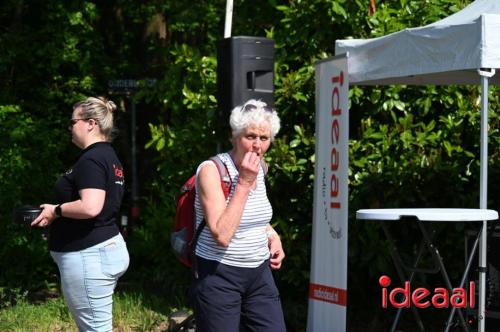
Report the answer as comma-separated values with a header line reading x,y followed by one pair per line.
x,y
101,110
111,106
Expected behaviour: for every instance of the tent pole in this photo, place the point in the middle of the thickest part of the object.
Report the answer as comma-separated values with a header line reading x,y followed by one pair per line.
x,y
483,197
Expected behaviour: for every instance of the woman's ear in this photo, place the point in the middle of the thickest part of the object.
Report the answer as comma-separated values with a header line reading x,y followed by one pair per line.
x,y
92,123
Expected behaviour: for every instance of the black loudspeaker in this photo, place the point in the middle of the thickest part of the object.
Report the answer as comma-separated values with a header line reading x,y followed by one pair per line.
x,y
245,70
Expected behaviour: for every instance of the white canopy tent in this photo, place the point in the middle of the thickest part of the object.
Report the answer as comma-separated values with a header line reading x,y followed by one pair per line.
x,y
448,51
463,48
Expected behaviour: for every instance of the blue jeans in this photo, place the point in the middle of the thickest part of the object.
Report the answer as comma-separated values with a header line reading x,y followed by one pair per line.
x,y
88,279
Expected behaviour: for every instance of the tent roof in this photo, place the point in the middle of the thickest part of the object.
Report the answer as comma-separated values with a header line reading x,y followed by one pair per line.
x,y
449,51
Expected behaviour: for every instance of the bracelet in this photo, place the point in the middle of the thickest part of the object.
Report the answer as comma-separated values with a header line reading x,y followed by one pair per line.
x,y
271,233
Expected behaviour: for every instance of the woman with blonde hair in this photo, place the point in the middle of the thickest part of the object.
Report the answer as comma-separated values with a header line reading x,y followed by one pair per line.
x,y
84,239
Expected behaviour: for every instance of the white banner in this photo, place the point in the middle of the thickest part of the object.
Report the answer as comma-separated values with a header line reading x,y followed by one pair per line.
x,y
328,281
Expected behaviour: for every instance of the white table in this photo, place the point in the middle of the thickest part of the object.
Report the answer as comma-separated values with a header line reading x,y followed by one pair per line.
x,y
452,215
428,215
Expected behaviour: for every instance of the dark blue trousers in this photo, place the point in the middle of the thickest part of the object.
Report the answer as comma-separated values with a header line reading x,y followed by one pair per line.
x,y
226,297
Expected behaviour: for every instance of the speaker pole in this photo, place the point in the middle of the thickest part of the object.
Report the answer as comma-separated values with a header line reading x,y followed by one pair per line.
x,y
227,33
229,18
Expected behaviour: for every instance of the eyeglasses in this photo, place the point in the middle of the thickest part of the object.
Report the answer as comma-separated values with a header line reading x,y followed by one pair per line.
x,y
252,107
73,122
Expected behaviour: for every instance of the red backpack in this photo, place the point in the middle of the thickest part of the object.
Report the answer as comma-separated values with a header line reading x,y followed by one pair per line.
x,y
183,238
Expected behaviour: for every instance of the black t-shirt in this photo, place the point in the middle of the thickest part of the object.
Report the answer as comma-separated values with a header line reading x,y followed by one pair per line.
x,y
97,167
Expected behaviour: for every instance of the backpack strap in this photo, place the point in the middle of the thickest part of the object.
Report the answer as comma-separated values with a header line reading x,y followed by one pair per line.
x,y
224,175
264,166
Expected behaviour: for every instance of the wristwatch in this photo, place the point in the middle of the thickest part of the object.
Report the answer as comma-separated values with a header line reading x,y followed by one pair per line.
x,y
58,210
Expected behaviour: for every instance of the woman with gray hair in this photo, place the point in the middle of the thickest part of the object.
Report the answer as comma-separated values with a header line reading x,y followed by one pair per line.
x,y
234,285
84,239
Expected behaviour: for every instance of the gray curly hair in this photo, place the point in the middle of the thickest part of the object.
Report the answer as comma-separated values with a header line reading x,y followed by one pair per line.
x,y
253,112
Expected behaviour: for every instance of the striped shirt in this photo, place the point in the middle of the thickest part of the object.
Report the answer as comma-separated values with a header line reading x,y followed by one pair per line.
x,y
249,245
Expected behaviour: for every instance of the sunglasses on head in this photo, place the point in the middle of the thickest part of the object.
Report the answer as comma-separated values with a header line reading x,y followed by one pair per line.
x,y
252,107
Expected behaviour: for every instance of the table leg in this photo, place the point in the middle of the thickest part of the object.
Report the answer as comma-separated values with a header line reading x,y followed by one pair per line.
x,y
438,259
464,277
398,263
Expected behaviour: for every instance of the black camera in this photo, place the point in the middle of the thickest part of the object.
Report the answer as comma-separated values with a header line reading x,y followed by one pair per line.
x,y
26,214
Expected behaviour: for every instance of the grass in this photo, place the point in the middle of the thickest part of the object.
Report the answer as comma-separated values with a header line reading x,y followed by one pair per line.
x,y
132,311
52,315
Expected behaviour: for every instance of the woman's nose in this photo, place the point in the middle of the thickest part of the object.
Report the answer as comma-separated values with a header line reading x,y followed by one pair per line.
x,y
257,143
